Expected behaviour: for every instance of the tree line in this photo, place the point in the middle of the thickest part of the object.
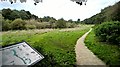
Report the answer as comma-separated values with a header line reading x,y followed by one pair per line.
x,y
21,19
14,14
110,13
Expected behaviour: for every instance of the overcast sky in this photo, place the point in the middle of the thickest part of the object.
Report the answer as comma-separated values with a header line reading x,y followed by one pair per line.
x,y
61,8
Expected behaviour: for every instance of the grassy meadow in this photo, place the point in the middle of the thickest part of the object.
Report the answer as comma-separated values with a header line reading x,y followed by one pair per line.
x,y
57,45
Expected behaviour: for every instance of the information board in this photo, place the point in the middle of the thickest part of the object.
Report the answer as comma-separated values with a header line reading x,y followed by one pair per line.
x,y
20,54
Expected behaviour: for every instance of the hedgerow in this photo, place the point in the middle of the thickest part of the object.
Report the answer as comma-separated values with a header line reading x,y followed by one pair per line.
x,y
108,32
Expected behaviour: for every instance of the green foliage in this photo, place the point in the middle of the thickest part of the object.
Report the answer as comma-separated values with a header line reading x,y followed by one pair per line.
x,y
47,19
6,25
34,17
70,25
32,21
14,14
18,24
6,13
40,26
1,18
61,23
78,21
110,13
56,46
8,21
30,26
70,20
108,32
109,53
24,15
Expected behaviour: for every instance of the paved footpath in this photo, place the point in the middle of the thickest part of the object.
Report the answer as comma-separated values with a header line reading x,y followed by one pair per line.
x,y
83,55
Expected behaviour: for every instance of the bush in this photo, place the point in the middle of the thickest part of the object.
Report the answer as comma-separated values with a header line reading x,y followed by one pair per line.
x,y
61,23
8,21
38,25
54,25
31,22
5,25
108,32
70,25
18,24
30,26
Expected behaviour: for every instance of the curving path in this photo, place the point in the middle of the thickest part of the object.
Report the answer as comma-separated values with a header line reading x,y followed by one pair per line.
x,y
83,55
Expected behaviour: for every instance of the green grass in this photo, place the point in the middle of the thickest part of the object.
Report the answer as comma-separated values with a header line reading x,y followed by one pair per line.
x,y
109,53
57,46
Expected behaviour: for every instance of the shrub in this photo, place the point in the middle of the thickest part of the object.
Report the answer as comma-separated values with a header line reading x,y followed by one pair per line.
x,y
70,25
39,25
8,21
18,24
31,22
108,32
5,25
61,23
30,26
46,25
54,25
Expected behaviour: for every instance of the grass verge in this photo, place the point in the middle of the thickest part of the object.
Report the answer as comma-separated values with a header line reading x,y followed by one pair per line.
x,y
109,53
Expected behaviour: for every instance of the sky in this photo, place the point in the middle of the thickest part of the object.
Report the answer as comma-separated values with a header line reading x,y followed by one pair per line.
x,y
60,8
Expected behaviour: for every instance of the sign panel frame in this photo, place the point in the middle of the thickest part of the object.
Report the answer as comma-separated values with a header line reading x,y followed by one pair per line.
x,y
10,46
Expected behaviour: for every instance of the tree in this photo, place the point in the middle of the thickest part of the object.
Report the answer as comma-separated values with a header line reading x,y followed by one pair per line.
x,y
46,18
6,13
29,14
61,23
34,17
14,15
24,15
51,22
78,21
5,25
70,20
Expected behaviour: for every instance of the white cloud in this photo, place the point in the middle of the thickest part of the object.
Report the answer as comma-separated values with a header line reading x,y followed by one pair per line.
x,y
61,8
